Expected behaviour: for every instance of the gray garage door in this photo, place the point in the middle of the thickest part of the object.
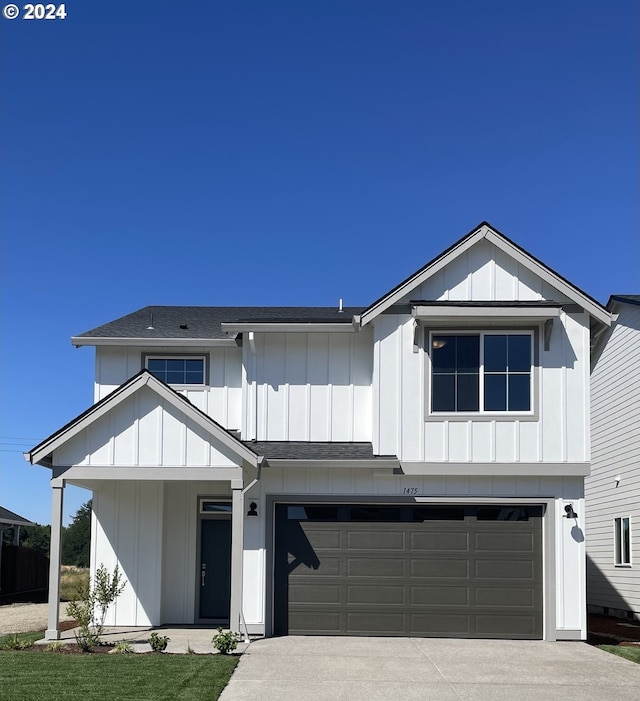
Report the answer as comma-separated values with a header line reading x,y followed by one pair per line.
x,y
441,571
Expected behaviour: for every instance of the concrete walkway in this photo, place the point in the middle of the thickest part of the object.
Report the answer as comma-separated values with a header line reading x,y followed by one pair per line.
x,y
359,669
181,638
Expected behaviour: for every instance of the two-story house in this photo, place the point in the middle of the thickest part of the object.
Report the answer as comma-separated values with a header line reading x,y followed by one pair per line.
x,y
414,467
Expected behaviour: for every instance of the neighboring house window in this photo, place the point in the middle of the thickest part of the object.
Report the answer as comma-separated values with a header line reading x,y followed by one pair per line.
x,y
481,372
178,371
622,540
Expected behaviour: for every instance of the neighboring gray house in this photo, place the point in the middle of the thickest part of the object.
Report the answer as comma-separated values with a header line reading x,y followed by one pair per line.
x,y
612,491
413,467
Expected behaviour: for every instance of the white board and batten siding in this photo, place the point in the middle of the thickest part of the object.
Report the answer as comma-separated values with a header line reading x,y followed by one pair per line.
x,y
221,399
561,393
615,445
363,484
308,387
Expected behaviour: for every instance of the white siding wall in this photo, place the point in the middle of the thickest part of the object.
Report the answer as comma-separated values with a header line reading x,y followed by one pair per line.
x,y
615,444
309,387
221,400
128,521
569,564
144,430
560,434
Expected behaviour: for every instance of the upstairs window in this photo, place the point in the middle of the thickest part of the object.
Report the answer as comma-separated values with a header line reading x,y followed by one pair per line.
x,y
177,370
622,541
482,372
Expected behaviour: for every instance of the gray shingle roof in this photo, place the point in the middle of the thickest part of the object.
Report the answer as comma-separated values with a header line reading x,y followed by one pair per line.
x,y
300,450
12,518
204,322
629,299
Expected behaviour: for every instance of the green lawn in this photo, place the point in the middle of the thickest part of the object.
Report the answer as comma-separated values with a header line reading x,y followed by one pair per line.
x,y
629,653
42,676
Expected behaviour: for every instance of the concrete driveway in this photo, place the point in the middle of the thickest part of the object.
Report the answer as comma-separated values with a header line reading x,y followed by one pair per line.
x,y
354,669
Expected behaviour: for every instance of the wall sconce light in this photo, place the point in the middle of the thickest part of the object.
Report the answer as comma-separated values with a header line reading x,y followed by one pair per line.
x,y
252,509
570,512
617,479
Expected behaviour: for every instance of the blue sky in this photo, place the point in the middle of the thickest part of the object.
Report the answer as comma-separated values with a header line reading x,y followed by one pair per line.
x,y
248,152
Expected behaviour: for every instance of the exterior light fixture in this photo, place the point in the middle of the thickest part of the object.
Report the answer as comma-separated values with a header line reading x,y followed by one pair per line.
x,y
253,509
570,512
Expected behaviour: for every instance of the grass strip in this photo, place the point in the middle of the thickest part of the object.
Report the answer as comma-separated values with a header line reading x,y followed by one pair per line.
x,y
626,651
42,676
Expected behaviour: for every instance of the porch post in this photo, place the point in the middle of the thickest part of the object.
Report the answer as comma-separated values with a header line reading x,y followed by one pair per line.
x,y
237,549
57,494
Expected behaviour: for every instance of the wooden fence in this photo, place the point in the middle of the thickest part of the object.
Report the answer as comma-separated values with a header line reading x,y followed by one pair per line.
x,y
22,570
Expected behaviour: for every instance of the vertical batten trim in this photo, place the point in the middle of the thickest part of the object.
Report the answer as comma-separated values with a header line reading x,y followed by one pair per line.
x,y
286,389
307,391
136,549
563,393
516,440
445,426
399,393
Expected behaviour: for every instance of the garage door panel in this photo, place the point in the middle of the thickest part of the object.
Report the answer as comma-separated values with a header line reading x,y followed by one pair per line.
x,y
438,541
492,625
384,623
377,594
504,542
445,595
379,541
376,567
445,623
436,568
316,593
507,568
505,597
416,576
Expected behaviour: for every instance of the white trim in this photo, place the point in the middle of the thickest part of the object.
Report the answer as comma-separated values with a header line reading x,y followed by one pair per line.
x,y
376,463
420,277
458,312
150,473
286,327
483,469
486,232
623,563
78,341
125,391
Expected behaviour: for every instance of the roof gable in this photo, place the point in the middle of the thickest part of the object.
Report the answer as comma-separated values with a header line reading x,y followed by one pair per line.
x,y
175,406
484,232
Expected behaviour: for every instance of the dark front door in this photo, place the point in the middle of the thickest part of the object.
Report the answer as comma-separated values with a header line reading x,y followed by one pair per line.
x,y
215,568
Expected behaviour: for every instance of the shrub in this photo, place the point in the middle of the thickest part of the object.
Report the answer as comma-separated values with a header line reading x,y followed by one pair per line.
x,y
122,647
225,641
90,604
55,646
158,642
16,643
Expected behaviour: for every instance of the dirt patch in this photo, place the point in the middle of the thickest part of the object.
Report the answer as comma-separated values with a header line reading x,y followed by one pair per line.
x,y
606,630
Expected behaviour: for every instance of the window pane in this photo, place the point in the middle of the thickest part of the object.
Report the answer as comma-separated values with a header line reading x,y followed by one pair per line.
x,y
156,365
375,513
193,378
495,393
495,353
444,388
519,393
468,392
216,507
618,540
175,364
175,378
438,513
468,355
194,364
443,353
519,353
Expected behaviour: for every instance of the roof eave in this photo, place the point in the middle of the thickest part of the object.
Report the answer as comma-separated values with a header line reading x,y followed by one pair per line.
x,y
78,341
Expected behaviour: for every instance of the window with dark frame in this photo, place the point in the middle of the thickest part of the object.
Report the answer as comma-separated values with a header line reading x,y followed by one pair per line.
x,y
177,371
622,538
481,372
